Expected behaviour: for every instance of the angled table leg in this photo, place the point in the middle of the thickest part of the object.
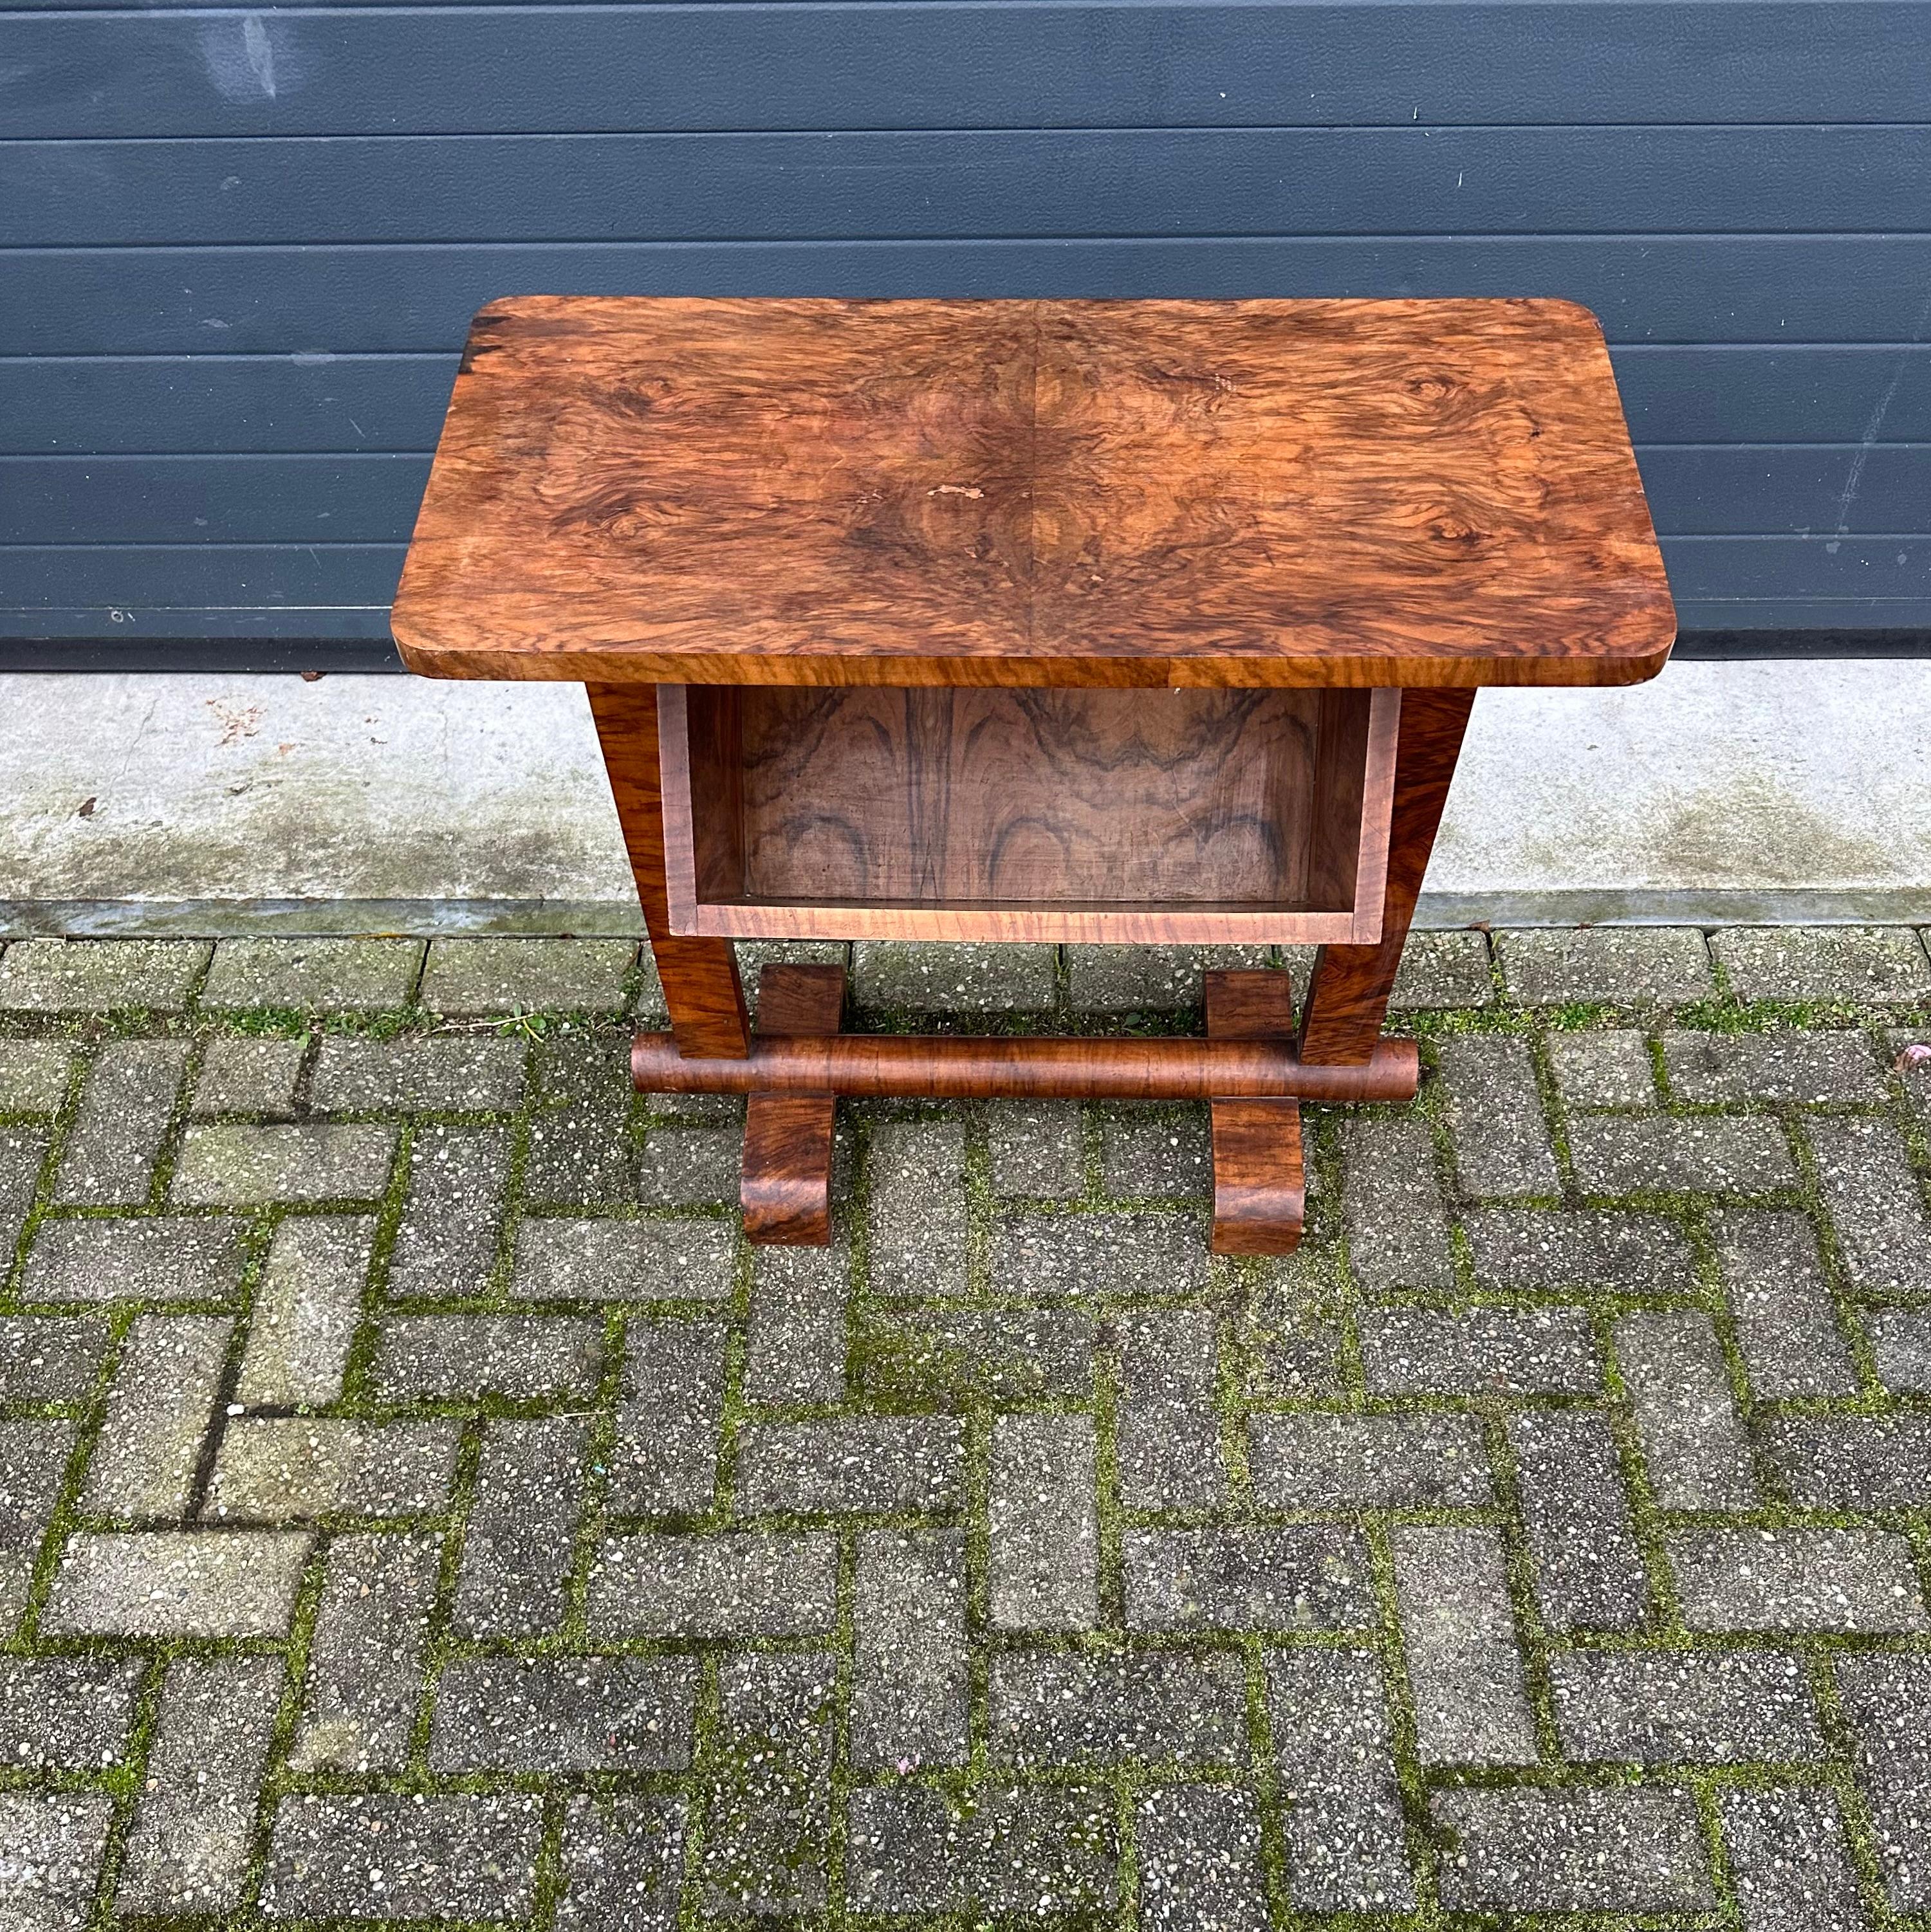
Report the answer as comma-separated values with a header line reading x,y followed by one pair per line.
x,y
785,1193
1260,1189
699,975
1347,995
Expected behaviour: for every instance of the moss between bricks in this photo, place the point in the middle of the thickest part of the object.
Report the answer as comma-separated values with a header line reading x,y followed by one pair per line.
x,y
873,1364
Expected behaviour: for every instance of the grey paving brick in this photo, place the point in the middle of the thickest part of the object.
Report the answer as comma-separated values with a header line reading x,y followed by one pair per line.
x,y
1443,969
1884,1696
312,975
1602,1069
909,1667
1579,1248
952,1359
1037,1148
783,1583
665,1462
1329,1712
1166,1155
554,1714
1150,979
125,1108
159,1409
66,1713
1307,1577
365,1659
1289,1333
176,1583
22,1153
449,1358
384,1855
1796,1580
1808,1069
1615,1153
1588,1570
416,1075
294,1468
1901,1343
1790,1862
446,1241
33,1074
193,1828
307,1307
1397,1233
467,977
624,1858
1624,1849
144,1260
1066,1257
766,1825
1823,962
1160,1706
55,1841
50,1357
241,1075
33,1461
914,1850
1913,1073
580,1151
1480,1351
1045,1532
889,974
1671,1706
1198,1848
796,1349
860,1465
1496,1122
625,1261
685,1167
1695,1451
1314,1461
59,975
1852,1462
1876,1205
1471,1706
1167,1432
1621,966
520,1545
1786,1320
223,1165
918,1208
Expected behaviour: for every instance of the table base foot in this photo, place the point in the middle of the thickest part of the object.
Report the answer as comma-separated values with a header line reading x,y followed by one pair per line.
x,y
784,1190
1259,1188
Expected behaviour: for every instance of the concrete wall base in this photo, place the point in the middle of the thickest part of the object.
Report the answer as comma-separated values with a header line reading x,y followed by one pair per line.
x,y
1722,794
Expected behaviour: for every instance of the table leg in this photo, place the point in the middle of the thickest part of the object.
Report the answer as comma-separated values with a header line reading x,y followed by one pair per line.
x,y
785,1191
699,975
1348,994
1259,1185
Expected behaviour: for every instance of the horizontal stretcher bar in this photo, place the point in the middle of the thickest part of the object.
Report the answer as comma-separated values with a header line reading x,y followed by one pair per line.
x,y
887,1066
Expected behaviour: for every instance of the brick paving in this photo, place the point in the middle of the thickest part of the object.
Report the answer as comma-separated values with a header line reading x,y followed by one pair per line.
x,y
417,1505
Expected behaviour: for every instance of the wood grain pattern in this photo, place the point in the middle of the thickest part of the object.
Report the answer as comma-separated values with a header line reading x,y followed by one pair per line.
x,y
884,1065
1260,1183
1348,990
1349,494
1172,816
785,1190
702,991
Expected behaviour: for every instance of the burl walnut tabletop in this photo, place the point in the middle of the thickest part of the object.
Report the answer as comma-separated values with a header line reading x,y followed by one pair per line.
x,y
1172,615
1033,493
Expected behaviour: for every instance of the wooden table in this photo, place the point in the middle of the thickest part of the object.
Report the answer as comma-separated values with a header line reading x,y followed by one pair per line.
x,y
1154,622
